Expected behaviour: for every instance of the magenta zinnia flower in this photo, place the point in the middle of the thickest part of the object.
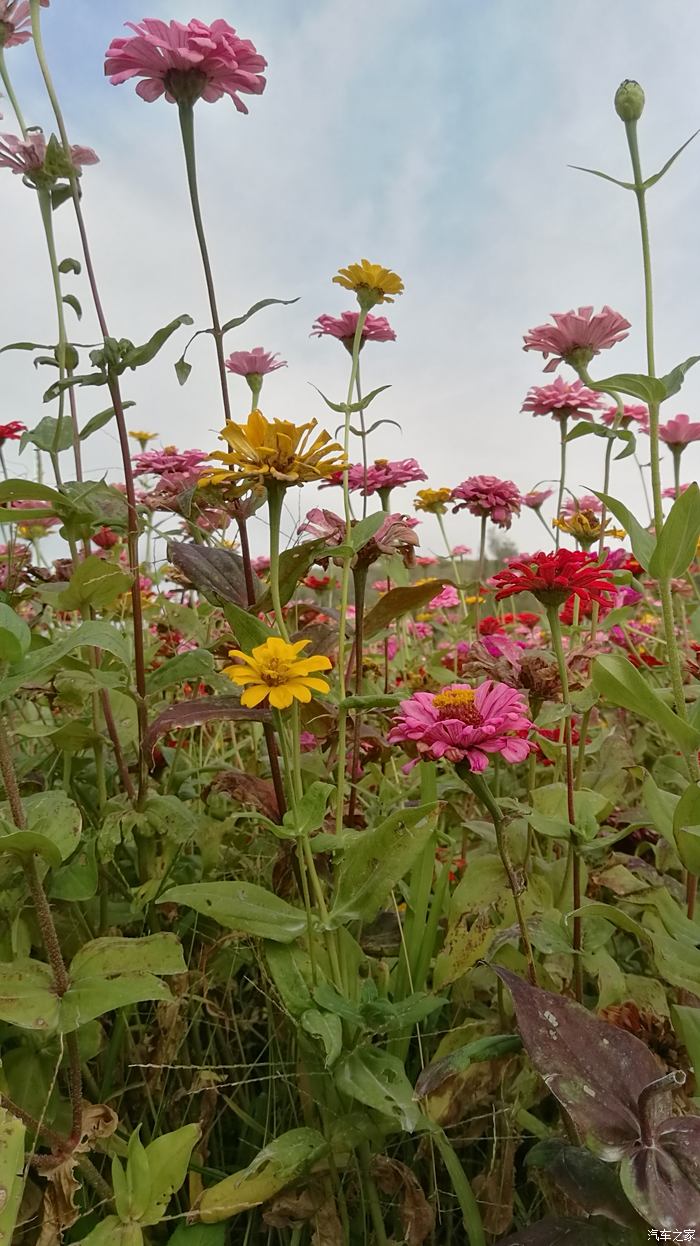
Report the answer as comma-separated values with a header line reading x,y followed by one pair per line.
x,y
562,399
12,431
168,461
381,475
465,724
16,22
375,328
186,62
586,502
576,336
256,361
679,432
632,413
499,500
27,155
536,498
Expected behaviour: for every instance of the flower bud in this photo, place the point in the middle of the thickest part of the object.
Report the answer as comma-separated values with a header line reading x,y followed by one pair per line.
x,y
629,100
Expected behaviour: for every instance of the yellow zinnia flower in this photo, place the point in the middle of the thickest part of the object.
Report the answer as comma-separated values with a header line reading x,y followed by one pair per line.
x,y
434,501
277,449
275,670
371,283
142,438
585,527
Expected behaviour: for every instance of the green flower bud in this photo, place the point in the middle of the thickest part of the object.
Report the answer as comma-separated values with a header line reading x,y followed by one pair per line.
x,y
629,100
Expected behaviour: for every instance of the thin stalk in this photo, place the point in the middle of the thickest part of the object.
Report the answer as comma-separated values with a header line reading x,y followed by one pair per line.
x,y
480,573
555,629
275,501
563,426
360,578
471,1216
453,563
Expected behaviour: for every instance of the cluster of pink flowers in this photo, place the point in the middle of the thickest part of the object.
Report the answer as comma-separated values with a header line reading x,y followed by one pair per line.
x,y
576,336
381,475
462,724
186,62
26,156
255,362
497,500
562,400
344,327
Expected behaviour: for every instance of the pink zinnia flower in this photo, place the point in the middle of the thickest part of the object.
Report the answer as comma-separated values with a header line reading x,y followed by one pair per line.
x,y
632,413
576,337
256,361
679,432
15,22
324,525
12,431
186,62
497,499
381,475
562,399
465,724
167,461
587,502
671,492
446,599
461,551
396,536
26,156
260,565
375,328
536,498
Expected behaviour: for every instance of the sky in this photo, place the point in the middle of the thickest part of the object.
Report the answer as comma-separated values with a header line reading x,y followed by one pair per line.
x,y
432,136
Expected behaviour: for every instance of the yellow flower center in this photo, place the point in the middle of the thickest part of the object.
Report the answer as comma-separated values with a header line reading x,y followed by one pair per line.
x,y
275,671
458,703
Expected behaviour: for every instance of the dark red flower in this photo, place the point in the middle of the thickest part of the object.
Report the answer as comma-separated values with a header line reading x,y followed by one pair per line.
x,y
528,619
12,431
105,538
551,578
491,624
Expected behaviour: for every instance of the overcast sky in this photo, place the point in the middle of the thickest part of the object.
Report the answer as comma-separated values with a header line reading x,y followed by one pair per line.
x,y
432,136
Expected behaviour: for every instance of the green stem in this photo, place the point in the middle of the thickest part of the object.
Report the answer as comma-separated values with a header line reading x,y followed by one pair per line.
x,y
471,1216
480,573
555,629
275,501
453,564
360,580
375,1209
563,425
9,90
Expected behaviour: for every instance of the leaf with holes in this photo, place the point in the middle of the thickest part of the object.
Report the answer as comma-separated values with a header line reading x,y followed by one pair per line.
x,y
280,1163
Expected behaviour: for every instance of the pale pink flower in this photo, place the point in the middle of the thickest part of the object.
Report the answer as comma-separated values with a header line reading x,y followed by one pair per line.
x,y
679,432
586,502
465,724
562,400
396,536
497,499
324,525
576,336
260,565
427,560
256,361
632,413
461,551
167,461
186,62
536,498
343,327
26,156
671,492
446,599
16,22
380,475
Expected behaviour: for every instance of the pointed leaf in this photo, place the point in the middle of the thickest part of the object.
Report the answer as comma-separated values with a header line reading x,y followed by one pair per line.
x,y
677,542
239,320
656,177
584,429
139,355
100,419
648,389
344,408
278,1164
294,564
399,601
619,681
374,862
379,1080
187,714
168,1158
11,1172
217,573
243,907
15,636
674,379
73,302
95,583
27,995
643,543
606,176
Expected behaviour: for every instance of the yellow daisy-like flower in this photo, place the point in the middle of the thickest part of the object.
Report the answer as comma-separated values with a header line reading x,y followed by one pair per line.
x,y
372,283
434,501
142,437
276,671
262,449
585,527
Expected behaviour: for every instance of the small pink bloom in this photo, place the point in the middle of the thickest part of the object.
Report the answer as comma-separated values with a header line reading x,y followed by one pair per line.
x,y
576,336
497,499
426,560
671,492
343,327
562,400
257,361
679,432
536,498
632,413
446,599
461,551
586,502
465,724
26,156
167,461
186,62
15,22
380,475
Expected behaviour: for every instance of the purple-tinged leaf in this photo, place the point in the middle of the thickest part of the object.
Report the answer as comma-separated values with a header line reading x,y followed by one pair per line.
x,y
662,1177
201,710
589,1182
400,601
217,573
597,1071
558,1232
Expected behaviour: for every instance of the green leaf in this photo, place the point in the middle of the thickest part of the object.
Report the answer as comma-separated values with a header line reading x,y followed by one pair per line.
x,y
182,370
616,916
648,389
73,302
619,681
656,177
247,628
442,1070
53,828
343,408
27,995
100,419
139,355
293,566
278,1164
156,953
550,815
195,664
82,381
237,321
328,1029
400,601
643,543
70,266
88,635
15,636
308,813
78,879
677,542
27,491
95,583
584,429
365,529
686,828
674,379
686,1023
379,1080
11,1172
45,435
138,1179
168,1159
606,176
243,907
374,862
198,1235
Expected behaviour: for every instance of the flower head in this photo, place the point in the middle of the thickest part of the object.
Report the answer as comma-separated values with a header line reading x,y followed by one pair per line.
x,y
142,437
12,431
679,432
461,551
498,500
256,361
186,62
586,502
394,536
275,671
266,450
167,462
562,399
577,336
536,498
371,283
446,599
375,328
465,724
42,163
381,475
432,501
632,413
551,578
586,527
16,22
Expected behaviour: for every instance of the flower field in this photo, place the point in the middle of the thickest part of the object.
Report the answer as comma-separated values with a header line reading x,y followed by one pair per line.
x,y
348,888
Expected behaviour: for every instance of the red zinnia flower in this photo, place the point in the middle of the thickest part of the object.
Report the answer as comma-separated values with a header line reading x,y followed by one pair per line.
x,y
551,578
12,431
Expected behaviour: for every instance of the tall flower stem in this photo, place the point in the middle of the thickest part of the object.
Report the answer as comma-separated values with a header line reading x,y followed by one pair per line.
x,y
453,563
186,112
677,452
672,652
481,570
563,426
275,501
360,579
555,629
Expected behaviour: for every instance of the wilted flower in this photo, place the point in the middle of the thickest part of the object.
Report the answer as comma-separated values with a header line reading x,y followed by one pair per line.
x,y
679,432
395,535
167,461
536,498
432,501
465,724
186,62
498,500
371,282
551,578
11,432
577,336
277,450
275,671
256,361
632,413
343,327
562,400
16,22
42,163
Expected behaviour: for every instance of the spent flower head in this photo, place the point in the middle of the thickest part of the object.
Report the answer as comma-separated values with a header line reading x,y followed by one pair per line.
x,y
275,450
40,163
